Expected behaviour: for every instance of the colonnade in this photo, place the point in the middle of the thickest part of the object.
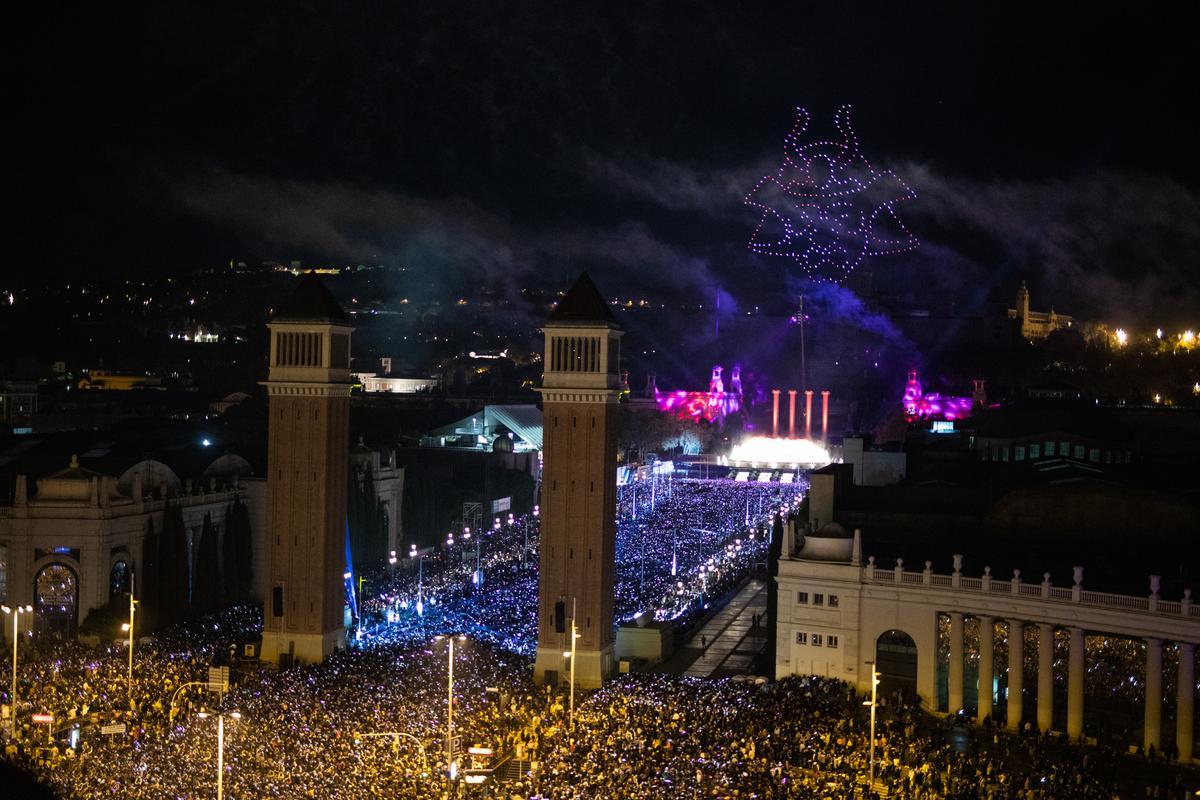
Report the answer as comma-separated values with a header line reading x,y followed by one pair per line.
x,y
1076,669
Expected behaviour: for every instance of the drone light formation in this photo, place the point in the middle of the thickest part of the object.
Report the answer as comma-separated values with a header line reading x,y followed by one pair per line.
x,y
824,206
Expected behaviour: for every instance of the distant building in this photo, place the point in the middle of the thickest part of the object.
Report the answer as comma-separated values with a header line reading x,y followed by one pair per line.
x,y
392,382
372,382
105,379
522,424
1037,324
18,402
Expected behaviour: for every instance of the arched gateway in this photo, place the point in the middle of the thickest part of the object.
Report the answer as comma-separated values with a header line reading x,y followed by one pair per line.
x,y
896,662
56,600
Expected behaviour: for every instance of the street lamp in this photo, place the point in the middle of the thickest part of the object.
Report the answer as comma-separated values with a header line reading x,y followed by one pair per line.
x,y
16,612
220,715
414,555
128,626
571,655
451,765
871,703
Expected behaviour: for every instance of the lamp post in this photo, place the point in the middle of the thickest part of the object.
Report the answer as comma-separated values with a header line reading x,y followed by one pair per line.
x,y
15,612
413,554
674,561
451,765
871,703
571,655
129,627
220,715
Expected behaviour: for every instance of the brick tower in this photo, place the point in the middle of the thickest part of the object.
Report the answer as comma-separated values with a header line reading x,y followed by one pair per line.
x,y
580,392
307,460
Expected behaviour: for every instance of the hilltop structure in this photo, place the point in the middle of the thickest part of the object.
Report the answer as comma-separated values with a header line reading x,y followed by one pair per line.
x,y
1037,324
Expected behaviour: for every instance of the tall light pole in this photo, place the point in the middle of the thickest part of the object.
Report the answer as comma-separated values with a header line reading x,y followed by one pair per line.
x,y
220,746
15,612
574,636
420,559
871,703
129,627
674,561
451,766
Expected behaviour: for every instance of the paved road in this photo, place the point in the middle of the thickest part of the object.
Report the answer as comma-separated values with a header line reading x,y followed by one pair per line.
x,y
728,642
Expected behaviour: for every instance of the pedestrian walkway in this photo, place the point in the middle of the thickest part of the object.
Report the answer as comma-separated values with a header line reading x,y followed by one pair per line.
x,y
729,640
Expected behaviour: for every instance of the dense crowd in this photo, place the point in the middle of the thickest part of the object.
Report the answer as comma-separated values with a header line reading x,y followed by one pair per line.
x,y
1114,684
371,722
304,733
679,543
654,736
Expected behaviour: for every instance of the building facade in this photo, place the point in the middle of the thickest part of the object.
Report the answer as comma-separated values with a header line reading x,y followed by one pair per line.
x,y
838,615
580,394
72,544
1037,324
307,480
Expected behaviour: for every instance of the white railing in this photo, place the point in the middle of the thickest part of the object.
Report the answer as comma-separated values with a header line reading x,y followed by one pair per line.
x,y
876,574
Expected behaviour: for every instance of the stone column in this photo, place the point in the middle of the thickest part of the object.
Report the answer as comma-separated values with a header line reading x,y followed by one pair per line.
x,y
1075,675
956,663
824,415
987,632
1152,734
1186,701
1016,673
1045,692
791,413
774,412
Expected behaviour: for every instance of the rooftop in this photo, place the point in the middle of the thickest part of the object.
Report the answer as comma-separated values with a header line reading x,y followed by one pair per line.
x,y
311,301
582,303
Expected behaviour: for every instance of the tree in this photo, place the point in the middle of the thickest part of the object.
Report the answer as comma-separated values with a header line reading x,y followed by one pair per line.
x,y
148,582
237,554
174,588
365,518
206,586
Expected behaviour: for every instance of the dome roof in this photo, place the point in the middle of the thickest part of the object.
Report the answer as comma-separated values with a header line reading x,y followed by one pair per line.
x,y
502,444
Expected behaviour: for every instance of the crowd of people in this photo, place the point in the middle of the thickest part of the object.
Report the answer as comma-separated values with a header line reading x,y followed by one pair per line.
x,y
679,543
372,721
1114,680
657,736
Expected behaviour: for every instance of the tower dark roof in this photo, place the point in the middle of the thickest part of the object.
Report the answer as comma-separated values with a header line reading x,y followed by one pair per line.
x,y
311,301
582,303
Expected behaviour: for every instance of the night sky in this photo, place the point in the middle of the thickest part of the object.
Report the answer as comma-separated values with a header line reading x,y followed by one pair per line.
x,y
506,145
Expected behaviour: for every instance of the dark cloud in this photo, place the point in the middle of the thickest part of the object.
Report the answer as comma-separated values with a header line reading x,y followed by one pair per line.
x,y
1112,246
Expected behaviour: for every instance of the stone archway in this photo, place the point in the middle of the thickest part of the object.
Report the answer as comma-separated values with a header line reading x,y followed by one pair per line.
x,y
118,579
896,662
56,600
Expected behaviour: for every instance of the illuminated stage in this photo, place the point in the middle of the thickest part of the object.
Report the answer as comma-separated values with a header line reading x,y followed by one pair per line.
x,y
764,451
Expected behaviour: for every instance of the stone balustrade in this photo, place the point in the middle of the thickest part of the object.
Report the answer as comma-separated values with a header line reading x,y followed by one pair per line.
x,y
1151,603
